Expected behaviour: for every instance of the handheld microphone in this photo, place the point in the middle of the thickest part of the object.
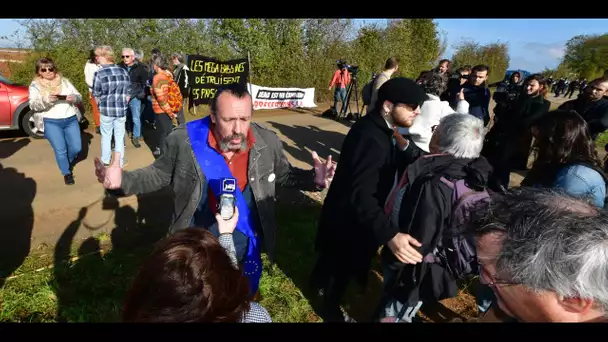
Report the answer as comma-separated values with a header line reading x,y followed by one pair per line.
x,y
227,200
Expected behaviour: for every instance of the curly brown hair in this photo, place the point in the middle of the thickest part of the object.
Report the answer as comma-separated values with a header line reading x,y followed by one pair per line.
x,y
563,138
188,278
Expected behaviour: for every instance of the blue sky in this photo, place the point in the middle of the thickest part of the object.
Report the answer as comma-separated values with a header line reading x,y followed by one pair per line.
x,y
533,43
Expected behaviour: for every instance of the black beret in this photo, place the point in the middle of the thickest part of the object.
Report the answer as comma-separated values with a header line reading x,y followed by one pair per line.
x,y
401,90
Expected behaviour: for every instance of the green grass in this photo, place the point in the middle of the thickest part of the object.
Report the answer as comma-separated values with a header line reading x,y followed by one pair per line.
x,y
92,288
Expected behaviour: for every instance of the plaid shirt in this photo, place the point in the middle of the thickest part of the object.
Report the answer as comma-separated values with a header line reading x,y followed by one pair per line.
x,y
111,87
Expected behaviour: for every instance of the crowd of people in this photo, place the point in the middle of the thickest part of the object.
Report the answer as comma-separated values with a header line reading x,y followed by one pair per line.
x,y
122,96
423,176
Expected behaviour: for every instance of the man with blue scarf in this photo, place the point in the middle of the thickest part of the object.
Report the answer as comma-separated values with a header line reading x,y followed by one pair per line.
x,y
225,144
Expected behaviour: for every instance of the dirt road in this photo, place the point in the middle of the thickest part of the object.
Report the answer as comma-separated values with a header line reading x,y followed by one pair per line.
x,y
36,207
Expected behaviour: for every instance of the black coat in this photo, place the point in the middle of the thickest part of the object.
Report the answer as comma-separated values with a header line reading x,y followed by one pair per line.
x,y
424,213
508,143
353,225
139,76
595,113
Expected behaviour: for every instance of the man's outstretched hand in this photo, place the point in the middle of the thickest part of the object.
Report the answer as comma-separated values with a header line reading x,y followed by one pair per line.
x,y
324,171
111,176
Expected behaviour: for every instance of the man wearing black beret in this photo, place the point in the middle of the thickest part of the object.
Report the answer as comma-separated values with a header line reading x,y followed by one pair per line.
x,y
353,224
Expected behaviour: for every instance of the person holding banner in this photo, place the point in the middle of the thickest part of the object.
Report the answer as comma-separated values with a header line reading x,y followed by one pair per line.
x,y
225,144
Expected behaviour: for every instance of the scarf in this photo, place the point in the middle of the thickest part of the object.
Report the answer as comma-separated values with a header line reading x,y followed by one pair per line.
x,y
48,87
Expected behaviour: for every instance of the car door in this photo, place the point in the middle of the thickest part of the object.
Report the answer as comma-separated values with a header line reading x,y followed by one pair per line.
x,y
5,106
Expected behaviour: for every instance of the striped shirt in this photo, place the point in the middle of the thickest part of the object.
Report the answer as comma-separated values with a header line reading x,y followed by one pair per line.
x,y
160,91
111,88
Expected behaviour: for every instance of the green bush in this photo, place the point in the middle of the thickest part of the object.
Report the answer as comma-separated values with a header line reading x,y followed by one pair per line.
x,y
284,52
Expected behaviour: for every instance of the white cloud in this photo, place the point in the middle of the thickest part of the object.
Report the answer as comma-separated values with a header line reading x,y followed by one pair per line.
x,y
555,50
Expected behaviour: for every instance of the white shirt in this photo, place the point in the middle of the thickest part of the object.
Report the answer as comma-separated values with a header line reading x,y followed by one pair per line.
x,y
431,112
89,73
54,110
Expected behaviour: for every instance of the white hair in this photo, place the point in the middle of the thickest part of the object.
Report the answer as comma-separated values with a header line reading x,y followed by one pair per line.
x,y
128,50
551,242
460,135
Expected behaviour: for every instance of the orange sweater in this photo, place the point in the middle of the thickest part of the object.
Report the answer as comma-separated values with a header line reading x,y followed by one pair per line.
x,y
160,89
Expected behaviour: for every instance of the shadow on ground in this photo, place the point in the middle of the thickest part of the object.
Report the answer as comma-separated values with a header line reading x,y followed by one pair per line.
x,y
10,146
297,217
92,287
310,138
16,219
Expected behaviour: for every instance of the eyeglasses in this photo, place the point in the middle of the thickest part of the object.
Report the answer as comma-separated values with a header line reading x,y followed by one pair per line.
x,y
47,69
464,76
126,56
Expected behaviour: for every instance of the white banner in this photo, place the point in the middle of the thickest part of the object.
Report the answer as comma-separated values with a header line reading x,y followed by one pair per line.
x,y
271,98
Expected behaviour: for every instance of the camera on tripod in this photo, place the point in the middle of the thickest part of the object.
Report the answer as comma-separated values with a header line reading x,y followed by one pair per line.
x,y
353,69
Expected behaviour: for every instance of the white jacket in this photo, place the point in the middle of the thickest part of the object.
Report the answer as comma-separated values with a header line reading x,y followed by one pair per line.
x,y
89,73
431,112
60,109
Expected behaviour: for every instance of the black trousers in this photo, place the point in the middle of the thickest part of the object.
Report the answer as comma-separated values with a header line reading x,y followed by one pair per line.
x,y
164,126
334,286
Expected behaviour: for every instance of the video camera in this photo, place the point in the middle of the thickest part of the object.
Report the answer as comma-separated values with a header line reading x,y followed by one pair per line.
x,y
351,68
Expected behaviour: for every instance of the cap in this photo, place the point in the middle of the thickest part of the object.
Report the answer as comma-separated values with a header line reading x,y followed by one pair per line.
x,y
402,90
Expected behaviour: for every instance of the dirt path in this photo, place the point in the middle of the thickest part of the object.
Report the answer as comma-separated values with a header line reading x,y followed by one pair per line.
x,y
36,206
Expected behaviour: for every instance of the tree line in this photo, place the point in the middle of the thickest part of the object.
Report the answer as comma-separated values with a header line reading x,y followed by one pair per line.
x,y
284,52
585,56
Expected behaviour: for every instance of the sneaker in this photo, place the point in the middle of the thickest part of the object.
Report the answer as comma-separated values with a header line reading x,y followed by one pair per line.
x,y
135,142
68,179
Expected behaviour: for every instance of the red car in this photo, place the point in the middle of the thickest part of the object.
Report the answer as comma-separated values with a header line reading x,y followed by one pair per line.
x,y
15,112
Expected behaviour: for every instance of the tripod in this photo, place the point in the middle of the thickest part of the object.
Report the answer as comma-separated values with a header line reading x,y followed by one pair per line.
x,y
346,105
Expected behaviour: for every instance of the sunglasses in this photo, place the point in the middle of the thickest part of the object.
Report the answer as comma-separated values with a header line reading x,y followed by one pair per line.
x,y
126,56
47,69
464,76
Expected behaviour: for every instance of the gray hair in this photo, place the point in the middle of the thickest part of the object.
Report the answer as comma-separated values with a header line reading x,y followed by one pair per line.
x,y
139,55
460,135
179,56
160,61
550,242
128,50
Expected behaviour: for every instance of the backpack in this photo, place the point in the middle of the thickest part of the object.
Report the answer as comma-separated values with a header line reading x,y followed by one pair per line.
x,y
366,92
456,250
174,96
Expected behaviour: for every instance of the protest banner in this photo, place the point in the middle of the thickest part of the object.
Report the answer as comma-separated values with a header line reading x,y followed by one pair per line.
x,y
270,98
207,74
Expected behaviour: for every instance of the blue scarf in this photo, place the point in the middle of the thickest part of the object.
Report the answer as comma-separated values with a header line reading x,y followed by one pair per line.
x,y
214,168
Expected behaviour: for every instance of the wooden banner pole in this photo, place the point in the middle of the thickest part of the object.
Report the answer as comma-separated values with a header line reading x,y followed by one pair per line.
x,y
249,71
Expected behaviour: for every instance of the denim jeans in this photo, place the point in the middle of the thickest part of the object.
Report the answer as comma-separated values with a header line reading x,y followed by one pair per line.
x,y
339,96
135,111
109,126
64,137
147,112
